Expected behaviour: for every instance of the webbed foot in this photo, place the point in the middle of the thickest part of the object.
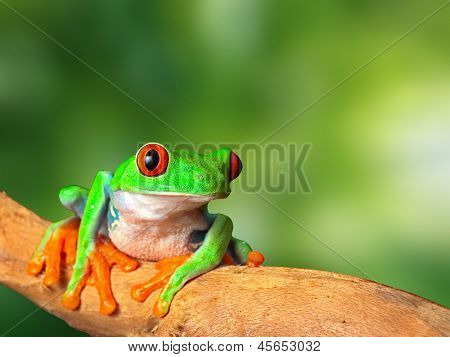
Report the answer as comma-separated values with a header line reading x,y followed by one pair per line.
x,y
98,274
166,268
60,238
254,259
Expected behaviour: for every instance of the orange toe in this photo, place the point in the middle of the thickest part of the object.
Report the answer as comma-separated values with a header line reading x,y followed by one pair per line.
x,y
70,246
71,301
160,308
141,292
107,307
52,252
36,264
254,259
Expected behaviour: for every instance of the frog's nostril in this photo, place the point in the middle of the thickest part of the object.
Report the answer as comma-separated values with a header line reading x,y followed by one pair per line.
x,y
235,166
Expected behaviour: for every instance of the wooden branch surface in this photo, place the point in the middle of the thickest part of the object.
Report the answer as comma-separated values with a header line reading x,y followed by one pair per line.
x,y
229,301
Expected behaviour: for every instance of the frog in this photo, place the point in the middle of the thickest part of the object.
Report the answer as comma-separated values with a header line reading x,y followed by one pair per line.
x,y
153,207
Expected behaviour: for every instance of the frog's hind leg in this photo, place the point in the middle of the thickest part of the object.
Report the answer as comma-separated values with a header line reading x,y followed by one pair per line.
x,y
60,237
74,198
242,253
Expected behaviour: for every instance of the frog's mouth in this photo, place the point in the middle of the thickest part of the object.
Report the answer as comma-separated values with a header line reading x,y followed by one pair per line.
x,y
193,196
152,197
165,191
158,204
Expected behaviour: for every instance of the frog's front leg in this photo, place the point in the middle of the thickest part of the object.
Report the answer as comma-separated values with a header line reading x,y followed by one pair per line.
x,y
95,253
92,253
175,272
206,258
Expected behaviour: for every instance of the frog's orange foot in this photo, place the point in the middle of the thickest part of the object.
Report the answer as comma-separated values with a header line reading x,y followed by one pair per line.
x,y
166,268
254,259
101,260
61,240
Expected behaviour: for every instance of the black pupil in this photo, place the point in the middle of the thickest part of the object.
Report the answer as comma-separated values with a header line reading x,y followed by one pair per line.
x,y
151,160
239,167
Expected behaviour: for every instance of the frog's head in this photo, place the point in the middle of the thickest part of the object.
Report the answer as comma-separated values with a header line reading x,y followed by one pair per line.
x,y
156,170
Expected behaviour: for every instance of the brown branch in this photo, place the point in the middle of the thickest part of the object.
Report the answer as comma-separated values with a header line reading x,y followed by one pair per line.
x,y
229,301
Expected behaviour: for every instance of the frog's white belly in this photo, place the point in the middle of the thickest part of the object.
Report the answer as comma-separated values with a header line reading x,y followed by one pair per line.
x,y
154,227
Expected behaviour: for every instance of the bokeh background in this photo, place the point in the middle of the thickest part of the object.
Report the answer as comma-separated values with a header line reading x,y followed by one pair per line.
x,y
233,71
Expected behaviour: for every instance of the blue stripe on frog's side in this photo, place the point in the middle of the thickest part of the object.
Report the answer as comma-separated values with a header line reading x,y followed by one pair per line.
x,y
112,217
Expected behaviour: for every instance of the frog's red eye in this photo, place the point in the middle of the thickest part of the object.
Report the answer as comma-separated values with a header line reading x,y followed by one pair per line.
x,y
152,160
235,166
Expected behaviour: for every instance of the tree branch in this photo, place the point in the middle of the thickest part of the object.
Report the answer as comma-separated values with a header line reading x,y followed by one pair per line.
x,y
229,301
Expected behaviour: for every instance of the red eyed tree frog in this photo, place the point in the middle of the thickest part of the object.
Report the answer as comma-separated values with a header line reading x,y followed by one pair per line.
x,y
153,207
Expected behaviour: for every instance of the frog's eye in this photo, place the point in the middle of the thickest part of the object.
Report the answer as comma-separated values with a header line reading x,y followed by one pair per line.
x,y
152,160
235,166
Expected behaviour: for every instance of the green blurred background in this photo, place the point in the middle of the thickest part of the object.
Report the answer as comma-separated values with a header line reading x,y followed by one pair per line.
x,y
233,71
